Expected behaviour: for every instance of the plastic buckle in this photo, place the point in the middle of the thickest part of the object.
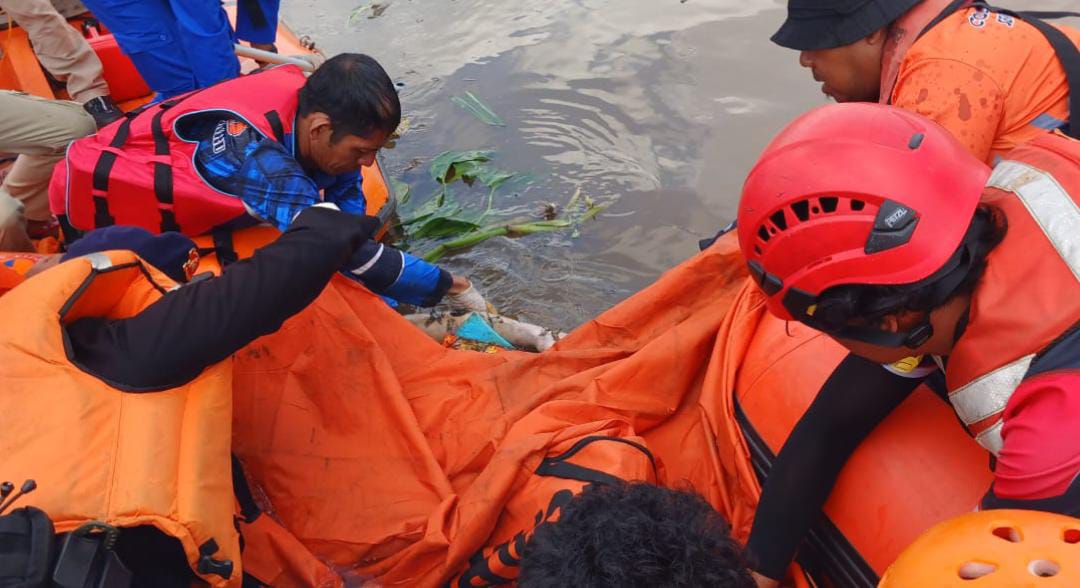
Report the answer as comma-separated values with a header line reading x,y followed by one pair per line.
x,y
208,566
81,556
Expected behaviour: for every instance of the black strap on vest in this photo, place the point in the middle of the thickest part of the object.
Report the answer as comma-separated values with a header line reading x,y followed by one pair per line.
x,y
1067,52
27,547
163,175
951,8
223,246
249,509
274,119
1069,56
102,170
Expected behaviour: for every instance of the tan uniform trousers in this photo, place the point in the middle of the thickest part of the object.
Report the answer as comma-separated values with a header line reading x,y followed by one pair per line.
x,y
39,130
59,47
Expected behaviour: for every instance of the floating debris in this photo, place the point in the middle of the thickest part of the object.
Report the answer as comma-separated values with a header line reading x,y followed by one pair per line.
x,y
476,107
374,10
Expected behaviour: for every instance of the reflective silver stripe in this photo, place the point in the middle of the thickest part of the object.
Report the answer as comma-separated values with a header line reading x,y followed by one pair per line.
x,y
991,439
99,261
988,394
1049,204
1058,217
371,262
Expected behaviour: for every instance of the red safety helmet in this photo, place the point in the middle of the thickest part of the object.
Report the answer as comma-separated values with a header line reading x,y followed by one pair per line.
x,y
855,193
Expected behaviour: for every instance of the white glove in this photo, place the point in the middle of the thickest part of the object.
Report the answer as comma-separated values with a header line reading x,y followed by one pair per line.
x,y
323,204
469,300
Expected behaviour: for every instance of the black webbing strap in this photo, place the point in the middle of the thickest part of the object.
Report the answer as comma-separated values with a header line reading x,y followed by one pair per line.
x,y
1049,14
249,509
951,8
163,175
559,466
1069,56
1067,52
274,119
223,247
102,170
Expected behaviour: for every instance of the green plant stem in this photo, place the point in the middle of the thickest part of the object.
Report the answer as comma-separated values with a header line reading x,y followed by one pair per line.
x,y
507,230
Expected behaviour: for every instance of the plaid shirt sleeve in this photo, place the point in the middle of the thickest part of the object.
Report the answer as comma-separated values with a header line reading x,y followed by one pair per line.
x,y
273,185
348,193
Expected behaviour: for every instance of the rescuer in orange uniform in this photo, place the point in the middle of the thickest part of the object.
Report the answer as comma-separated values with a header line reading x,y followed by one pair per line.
x,y
993,78
873,225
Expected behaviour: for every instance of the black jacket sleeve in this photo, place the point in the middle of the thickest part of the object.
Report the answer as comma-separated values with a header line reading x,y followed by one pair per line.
x,y
857,396
191,328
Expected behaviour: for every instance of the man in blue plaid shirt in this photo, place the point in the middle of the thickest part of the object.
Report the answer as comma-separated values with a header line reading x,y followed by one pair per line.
x,y
276,181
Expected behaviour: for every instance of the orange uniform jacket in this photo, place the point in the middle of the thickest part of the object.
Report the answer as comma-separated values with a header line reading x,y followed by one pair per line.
x,y
993,80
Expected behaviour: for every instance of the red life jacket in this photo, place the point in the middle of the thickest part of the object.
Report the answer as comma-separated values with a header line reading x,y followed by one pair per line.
x,y
139,171
1030,293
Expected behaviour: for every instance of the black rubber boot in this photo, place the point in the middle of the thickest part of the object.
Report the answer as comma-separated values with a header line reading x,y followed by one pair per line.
x,y
103,109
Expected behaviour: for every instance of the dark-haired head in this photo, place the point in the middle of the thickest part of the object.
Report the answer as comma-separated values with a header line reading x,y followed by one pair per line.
x,y
899,308
348,109
632,535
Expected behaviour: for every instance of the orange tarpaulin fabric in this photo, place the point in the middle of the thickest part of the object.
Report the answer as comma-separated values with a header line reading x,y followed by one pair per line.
x,y
377,454
396,459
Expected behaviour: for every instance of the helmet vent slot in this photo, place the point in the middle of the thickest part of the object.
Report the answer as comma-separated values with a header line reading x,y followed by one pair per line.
x,y
778,219
801,209
973,570
1044,568
1009,534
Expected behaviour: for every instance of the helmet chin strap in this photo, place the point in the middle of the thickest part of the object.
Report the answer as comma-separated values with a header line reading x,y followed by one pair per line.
x,y
944,283
913,339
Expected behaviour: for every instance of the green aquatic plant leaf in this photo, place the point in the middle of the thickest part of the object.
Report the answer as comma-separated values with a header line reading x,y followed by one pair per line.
x,y
473,105
447,166
521,228
401,190
492,177
443,226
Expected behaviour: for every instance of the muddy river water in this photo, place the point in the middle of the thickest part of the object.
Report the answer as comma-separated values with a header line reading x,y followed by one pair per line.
x,y
659,106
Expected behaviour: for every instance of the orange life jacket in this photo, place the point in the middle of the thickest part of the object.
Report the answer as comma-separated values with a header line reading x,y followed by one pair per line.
x,y
140,172
221,248
1030,293
100,452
